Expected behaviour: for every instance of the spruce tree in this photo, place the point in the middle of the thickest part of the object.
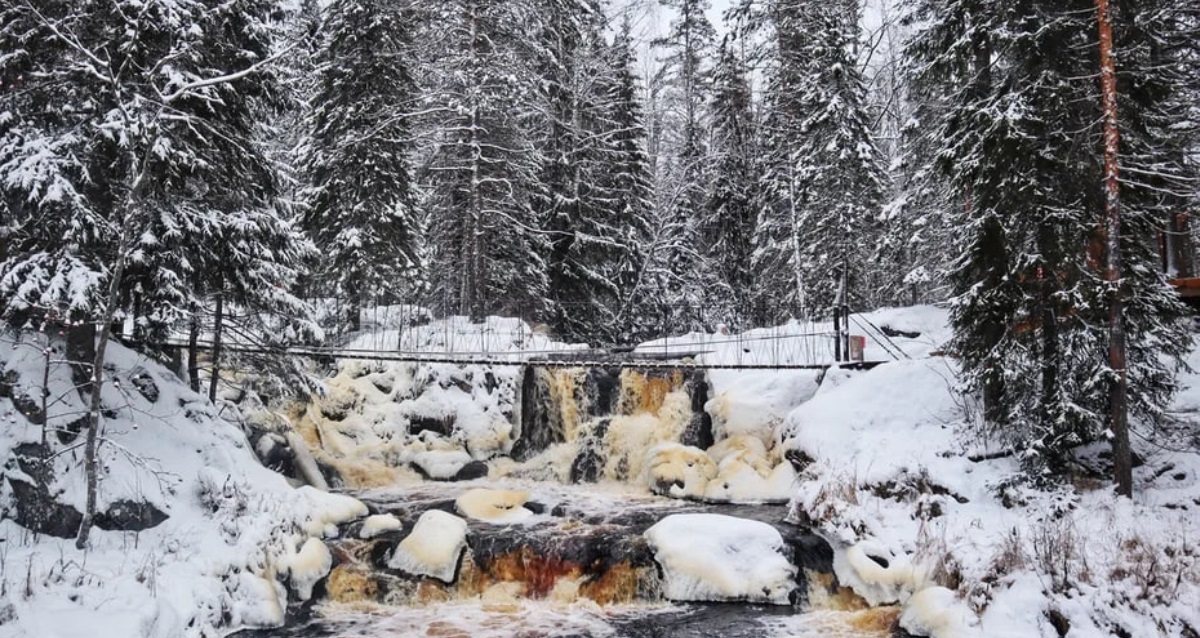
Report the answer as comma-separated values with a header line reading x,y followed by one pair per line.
x,y
727,231
1018,142
825,173
486,248
359,206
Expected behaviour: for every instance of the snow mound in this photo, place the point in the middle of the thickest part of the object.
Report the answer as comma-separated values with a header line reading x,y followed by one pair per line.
x,y
308,566
934,612
433,548
712,557
875,573
327,511
493,506
678,470
377,524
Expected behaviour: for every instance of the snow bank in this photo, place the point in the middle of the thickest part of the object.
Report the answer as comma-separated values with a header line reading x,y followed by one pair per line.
x,y
221,558
889,475
433,548
712,557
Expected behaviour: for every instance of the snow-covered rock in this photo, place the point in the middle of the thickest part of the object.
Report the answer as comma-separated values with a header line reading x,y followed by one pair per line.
x,y
712,557
377,524
494,506
678,470
327,511
307,566
433,548
935,612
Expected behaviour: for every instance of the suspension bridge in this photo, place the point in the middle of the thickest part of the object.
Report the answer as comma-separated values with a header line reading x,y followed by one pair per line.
x,y
405,334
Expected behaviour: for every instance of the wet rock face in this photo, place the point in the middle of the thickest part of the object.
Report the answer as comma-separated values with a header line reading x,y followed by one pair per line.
x,y
575,404
561,552
38,510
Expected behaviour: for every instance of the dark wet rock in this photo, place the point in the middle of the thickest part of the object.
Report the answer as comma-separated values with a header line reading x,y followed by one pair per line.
x,y
8,383
130,516
605,389
894,332
699,431
332,477
440,425
535,507
144,383
36,509
276,454
1061,624
29,407
471,471
589,462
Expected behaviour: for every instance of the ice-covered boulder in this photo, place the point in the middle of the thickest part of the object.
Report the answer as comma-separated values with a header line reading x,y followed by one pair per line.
x,y
307,566
377,524
493,506
433,548
678,470
712,557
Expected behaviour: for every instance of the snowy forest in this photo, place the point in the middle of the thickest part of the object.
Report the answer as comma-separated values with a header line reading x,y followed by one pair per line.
x,y
605,173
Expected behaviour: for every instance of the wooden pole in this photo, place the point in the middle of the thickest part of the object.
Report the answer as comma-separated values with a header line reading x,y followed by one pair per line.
x,y
1119,388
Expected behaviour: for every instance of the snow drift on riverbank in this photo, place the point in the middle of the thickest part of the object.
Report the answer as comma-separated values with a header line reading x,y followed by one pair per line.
x,y
889,478
223,554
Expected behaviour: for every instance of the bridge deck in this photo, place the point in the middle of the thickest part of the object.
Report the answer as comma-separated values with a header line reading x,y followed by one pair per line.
x,y
575,359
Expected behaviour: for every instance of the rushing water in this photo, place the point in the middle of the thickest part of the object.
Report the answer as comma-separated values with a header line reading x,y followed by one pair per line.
x,y
500,608
580,565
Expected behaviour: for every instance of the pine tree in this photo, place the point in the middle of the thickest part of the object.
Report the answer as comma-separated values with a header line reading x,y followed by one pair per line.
x,y
360,208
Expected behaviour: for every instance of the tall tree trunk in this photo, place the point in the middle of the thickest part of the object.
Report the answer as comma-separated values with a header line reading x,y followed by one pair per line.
x,y
216,349
97,381
1119,389
193,359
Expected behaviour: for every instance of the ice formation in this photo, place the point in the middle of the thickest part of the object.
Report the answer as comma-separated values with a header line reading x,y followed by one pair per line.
x,y
307,566
433,548
377,524
712,557
493,506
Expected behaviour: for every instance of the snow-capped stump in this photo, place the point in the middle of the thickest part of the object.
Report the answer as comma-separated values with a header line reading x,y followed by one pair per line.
x,y
307,566
493,506
713,557
433,548
678,470
377,524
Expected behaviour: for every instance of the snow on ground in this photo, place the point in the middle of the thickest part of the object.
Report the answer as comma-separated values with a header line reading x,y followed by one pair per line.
x,y
224,553
712,557
890,481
